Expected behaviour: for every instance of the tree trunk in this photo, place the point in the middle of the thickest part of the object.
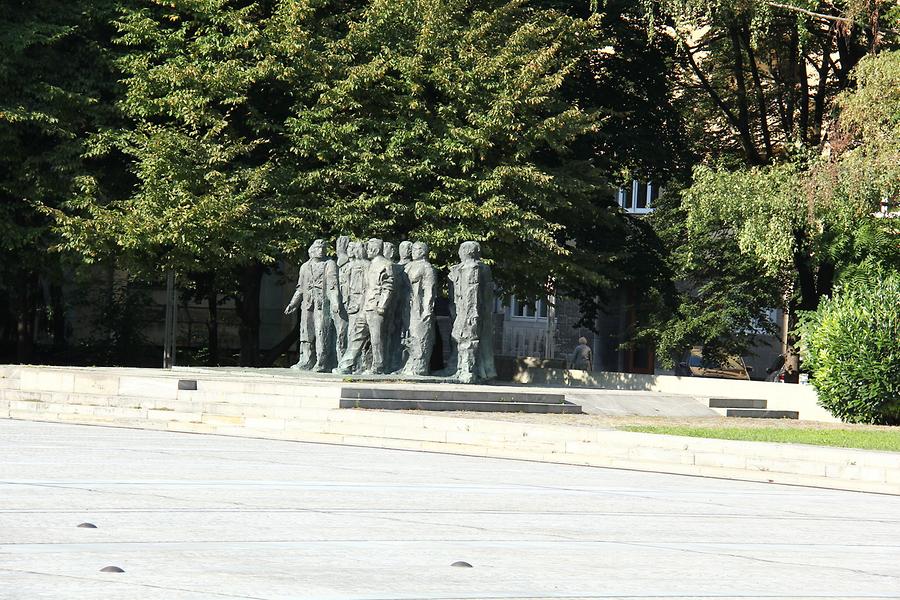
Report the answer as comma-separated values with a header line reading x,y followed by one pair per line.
x,y
806,278
23,302
821,90
849,54
212,325
247,305
743,116
58,323
803,125
8,324
825,280
791,353
281,347
791,85
760,94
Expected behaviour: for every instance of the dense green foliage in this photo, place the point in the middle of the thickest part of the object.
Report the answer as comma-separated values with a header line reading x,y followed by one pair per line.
x,y
445,121
54,88
851,346
761,76
779,207
250,128
218,138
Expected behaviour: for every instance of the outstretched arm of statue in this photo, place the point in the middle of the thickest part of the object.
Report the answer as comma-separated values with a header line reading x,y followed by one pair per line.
x,y
295,301
294,304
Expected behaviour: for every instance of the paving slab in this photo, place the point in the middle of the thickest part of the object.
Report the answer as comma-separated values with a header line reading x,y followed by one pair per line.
x,y
201,516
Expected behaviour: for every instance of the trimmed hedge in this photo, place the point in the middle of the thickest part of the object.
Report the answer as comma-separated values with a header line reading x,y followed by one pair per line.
x,y
851,344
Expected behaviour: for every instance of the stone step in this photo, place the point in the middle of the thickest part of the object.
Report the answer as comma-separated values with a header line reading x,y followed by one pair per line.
x,y
451,405
415,393
752,413
737,403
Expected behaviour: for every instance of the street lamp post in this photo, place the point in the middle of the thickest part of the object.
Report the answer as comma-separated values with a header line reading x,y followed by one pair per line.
x,y
171,319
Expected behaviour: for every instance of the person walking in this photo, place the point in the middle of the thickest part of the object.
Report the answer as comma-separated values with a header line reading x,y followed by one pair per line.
x,y
583,359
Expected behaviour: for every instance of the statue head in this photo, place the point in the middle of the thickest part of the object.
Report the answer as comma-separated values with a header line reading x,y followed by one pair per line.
x,y
343,242
419,250
374,247
582,340
469,251
388,250
405,248
351,248
360,248
317,249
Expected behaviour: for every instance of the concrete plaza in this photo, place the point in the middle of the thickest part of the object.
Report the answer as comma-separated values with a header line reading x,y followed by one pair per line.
x,y
200,516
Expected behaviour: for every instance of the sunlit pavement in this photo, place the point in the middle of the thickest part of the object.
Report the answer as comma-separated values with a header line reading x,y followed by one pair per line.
x,y
194,516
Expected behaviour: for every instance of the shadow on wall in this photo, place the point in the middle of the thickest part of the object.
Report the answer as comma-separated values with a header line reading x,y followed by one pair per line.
x,y
553,371
510,368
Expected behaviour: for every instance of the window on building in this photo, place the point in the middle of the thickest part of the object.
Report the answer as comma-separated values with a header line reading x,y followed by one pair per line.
x,y
521,309
518,309
639,197
640,194
624,198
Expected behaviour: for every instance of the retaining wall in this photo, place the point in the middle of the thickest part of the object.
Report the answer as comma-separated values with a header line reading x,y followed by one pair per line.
x,y
149,399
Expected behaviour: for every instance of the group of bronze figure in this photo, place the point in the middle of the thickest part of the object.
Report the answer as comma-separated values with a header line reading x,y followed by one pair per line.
x,y
369,313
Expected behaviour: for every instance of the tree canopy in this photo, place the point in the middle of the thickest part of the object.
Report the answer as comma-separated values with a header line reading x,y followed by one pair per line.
x,y
54,86
791,173
249,128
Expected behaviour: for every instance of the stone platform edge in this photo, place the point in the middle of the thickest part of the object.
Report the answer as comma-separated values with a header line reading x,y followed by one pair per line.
x,y
800,398
315,419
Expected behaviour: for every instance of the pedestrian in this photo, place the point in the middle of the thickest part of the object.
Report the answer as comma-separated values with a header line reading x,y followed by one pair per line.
x,y
583,359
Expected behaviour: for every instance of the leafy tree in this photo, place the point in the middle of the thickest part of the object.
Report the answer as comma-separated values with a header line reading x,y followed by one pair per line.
x,y
765,80
207,88
53,85
254,127
802,222
761,75
455,120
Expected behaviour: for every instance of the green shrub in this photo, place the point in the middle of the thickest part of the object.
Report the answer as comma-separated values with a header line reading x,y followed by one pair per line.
x,y
851,344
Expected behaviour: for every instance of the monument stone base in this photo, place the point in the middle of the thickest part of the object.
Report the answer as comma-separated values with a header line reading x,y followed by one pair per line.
x,y
196,391
405,392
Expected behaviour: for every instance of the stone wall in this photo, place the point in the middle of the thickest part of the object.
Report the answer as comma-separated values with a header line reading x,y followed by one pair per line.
x,y
256,407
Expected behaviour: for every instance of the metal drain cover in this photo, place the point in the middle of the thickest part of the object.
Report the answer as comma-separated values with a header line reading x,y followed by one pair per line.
x,y
112,569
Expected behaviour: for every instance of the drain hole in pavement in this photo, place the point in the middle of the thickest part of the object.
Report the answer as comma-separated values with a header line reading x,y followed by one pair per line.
x,y
87,525
461,563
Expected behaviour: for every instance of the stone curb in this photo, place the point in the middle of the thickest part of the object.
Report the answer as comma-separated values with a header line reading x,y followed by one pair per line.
x,y
318,419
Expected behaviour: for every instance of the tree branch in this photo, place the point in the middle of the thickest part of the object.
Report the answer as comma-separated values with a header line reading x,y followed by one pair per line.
x,y
743,125
810,13
707,86
822,88
760,93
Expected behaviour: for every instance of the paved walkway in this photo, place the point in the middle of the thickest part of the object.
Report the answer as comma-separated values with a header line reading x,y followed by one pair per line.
x,y
193,516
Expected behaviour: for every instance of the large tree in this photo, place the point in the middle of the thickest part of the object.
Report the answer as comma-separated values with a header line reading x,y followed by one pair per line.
x,y
768,80
488,120
762,75
252,127
207,88
54,86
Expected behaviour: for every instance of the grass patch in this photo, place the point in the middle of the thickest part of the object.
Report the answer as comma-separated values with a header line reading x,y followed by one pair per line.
x,y
887,440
